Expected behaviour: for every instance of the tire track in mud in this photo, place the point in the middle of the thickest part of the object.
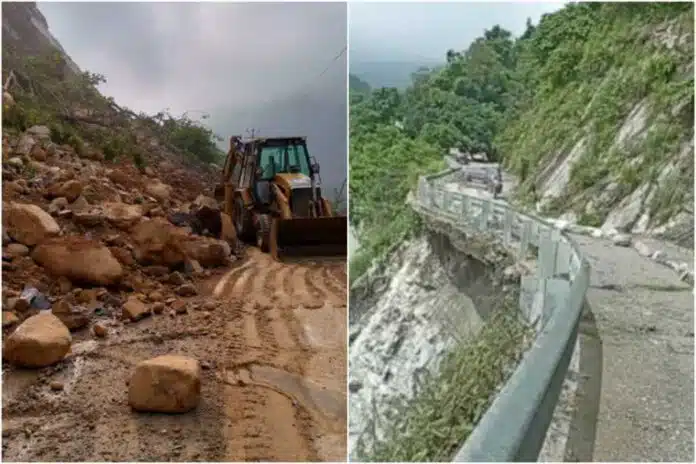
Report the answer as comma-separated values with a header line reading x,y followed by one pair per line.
x,y
262,322
265,424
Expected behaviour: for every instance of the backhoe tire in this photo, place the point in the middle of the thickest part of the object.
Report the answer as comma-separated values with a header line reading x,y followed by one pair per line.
x,y
263,233
242,221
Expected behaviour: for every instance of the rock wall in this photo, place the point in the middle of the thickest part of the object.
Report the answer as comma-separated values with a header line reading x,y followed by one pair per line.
x,y
25,29
435,291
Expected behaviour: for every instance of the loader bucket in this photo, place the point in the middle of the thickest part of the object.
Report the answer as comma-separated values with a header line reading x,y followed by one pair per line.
x,y
308,237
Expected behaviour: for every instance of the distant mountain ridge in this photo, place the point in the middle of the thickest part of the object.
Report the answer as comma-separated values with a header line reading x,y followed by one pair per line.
x,y
388,73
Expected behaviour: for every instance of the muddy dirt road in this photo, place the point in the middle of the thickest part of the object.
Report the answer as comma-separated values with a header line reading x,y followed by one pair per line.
x,y
274,364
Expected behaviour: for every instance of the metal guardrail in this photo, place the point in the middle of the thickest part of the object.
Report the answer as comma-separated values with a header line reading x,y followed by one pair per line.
x,y
514,426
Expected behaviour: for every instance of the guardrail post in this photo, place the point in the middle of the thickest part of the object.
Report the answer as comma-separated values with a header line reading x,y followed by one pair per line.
x,y
507,225
546,257
557,293
524,240
422,189
447,199
563,252
465,211
485,214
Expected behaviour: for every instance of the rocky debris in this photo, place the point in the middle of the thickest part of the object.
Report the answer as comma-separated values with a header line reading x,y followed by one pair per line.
x,y
207,252
158,242
15,250
29,224
134,309
79,259
100,330
9,319
623,240
74,317
158,190
192,266
169,383
70,190
40,341
40,132
186,290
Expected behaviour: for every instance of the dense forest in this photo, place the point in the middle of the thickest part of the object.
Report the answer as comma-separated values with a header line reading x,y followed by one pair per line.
x,y
522,99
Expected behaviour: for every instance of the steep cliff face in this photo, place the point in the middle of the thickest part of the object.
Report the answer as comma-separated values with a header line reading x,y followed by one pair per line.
x,y
25,30
608,139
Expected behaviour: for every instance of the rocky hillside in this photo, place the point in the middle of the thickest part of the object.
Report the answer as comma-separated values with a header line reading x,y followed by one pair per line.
x,y
591,110
104,217
606,139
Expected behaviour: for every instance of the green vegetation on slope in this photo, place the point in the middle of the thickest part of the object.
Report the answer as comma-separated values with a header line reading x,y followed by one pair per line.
x,y
590,65
577,74
432,426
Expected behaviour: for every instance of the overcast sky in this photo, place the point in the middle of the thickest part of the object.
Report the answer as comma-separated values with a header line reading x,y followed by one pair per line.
x,y
425,31
250,65
199,55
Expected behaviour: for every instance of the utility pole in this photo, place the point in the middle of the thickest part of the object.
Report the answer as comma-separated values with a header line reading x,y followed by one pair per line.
x,y
252,132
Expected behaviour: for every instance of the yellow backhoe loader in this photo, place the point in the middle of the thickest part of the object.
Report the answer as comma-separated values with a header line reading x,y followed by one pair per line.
x,y
270,194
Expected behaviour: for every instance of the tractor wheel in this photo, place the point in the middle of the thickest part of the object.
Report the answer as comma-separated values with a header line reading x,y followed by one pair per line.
x,y
263,233
242,221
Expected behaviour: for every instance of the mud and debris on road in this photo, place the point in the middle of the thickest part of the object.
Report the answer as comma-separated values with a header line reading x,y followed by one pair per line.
x,y
131,273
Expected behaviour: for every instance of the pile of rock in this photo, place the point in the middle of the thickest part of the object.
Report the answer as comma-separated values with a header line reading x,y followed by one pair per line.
x,y
91,245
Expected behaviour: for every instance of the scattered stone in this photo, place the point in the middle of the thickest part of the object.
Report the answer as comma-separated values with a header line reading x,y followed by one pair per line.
x,y
41,132
9,319
158,190
41,340
158,308
642,249
121,215
175,278
180,307
74,317
38,153
28,224
16,162
167,383
70,190
210,305
79,259
192,266
622,240
134,309
156,271
57,386
17,249
57,205
100,330
155,296
26,143
186,290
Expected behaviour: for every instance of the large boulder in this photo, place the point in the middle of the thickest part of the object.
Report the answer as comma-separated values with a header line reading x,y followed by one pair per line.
x,y
208,252
122,215
167,383
41,340
158,242
71,190
29,224
158,190
79,259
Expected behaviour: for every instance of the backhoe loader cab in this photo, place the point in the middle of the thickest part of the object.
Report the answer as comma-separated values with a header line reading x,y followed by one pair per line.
x,y
272,196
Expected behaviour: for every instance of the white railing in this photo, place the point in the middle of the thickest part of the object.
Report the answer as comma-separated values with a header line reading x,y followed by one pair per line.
x,y
515,425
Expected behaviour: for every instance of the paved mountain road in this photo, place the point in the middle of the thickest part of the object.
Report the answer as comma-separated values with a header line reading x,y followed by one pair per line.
x,y
644,319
